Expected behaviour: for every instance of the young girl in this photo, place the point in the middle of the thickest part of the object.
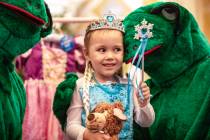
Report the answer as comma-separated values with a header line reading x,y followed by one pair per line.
x,y
104,54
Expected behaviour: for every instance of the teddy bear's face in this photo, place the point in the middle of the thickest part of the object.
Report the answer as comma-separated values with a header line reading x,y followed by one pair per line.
x,y
96,121
106,118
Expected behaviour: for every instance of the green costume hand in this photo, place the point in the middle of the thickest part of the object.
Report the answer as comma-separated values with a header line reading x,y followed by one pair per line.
x,y
63,96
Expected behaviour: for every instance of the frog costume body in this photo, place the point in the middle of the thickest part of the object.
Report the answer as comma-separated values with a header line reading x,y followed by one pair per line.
x,y
177,58
22,24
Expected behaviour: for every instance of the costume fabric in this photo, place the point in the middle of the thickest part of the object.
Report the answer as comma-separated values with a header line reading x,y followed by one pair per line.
x,y
21,26
77,117
177,59
63,96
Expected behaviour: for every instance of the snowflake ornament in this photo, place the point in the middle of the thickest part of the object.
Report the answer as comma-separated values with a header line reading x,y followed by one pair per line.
x,y
143,30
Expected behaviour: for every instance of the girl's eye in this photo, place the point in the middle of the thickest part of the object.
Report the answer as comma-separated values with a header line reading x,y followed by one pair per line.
x,y
117,49
101,50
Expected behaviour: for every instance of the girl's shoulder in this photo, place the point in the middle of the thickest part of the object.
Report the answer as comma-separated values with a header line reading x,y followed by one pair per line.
x,y
80,82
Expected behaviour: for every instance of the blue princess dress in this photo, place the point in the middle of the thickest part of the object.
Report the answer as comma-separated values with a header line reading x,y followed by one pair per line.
x,y
113,92
109,92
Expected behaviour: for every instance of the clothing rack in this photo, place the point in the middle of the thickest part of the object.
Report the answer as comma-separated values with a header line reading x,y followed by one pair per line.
x,y
57,37
76,19
71,20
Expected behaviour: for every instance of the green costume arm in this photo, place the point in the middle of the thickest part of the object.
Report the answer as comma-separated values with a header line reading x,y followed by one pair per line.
x,y
62,98
12,108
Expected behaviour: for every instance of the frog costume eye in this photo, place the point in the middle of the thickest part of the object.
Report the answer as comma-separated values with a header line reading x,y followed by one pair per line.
x,y
169,12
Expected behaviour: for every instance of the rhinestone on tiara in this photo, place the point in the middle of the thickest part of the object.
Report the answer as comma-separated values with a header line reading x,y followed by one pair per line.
x,y
109,21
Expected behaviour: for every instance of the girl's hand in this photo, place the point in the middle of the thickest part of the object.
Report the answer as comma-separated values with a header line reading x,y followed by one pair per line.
x,y
88,135
146,93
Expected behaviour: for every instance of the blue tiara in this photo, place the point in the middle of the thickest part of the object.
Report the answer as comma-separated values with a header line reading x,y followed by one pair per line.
x,y
109,21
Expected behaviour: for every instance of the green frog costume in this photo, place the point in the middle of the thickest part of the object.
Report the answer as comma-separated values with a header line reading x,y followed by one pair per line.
x,y
22,24
177,59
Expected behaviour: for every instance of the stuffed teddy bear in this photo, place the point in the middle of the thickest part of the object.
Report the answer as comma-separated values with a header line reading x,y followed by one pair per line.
x,y
22,24
106,118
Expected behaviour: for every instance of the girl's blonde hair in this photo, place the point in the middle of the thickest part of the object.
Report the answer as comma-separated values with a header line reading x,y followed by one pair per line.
x,y
87,79
88,69
87,76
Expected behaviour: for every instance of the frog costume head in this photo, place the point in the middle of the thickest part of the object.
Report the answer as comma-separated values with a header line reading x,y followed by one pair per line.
x,y
22,24
177,59
176,42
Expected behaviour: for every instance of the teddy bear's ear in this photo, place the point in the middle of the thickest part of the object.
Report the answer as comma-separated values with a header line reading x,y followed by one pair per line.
x,y
119,114
118,105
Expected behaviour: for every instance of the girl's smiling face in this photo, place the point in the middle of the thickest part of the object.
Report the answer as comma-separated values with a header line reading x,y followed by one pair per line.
x,y
105,52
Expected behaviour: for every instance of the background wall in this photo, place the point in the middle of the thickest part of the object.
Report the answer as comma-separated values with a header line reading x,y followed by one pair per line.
x,y
87,8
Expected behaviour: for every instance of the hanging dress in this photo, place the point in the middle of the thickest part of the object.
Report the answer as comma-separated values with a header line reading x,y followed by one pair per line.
x,y
43,70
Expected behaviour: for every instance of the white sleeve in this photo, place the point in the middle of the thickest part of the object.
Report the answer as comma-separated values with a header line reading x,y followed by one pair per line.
x,y
143,116
74,128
